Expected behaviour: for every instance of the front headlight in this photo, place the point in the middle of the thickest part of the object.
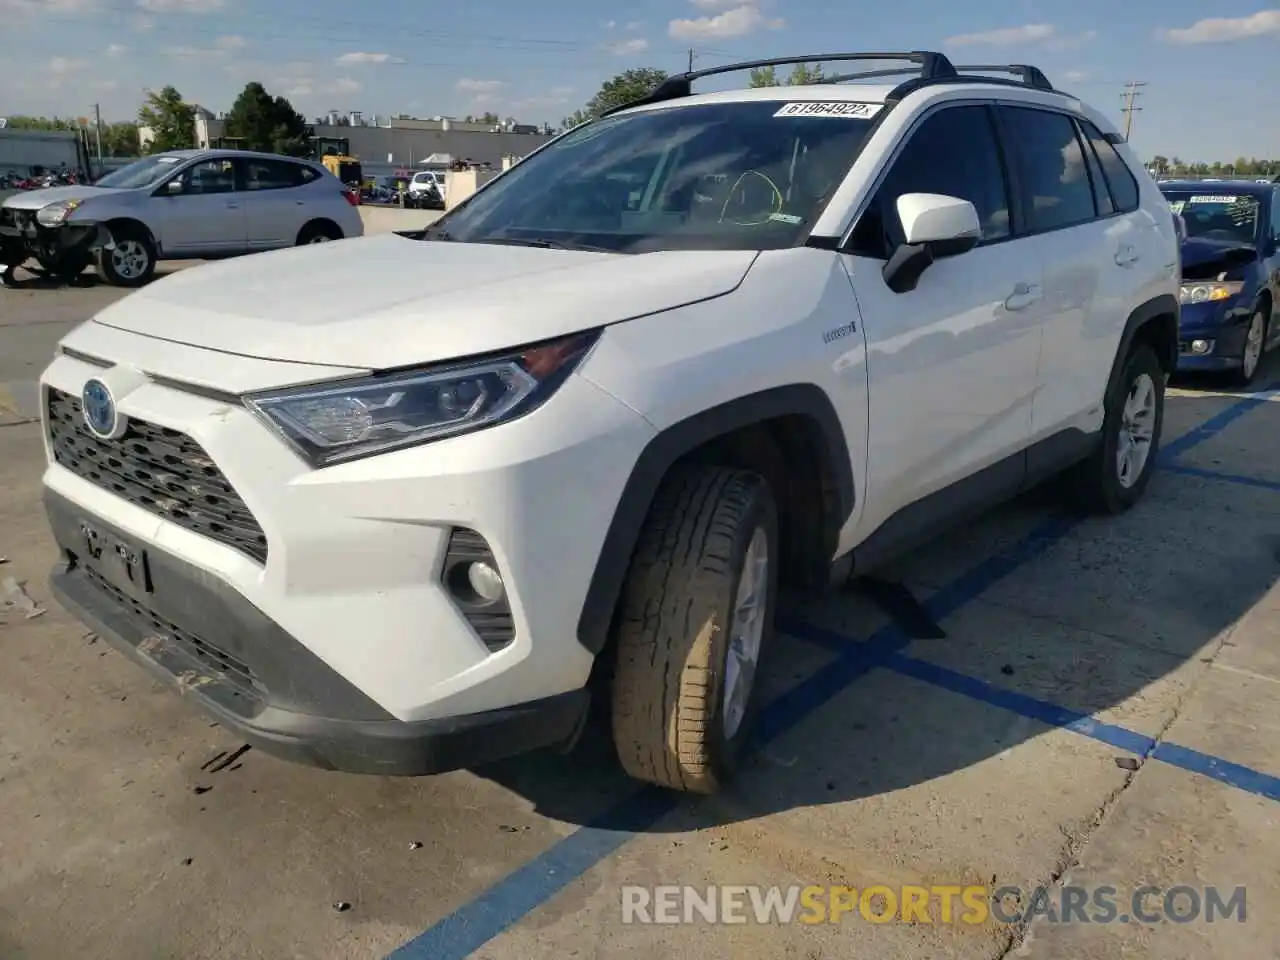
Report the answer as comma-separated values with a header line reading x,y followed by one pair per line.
x,y
1209,292
329,423
55,213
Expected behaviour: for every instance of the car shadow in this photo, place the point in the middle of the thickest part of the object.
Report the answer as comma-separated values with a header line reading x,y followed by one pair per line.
x,y
1093,636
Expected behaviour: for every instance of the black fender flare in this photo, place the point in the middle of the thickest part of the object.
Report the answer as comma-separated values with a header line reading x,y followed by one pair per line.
x,y
675,442
1163,309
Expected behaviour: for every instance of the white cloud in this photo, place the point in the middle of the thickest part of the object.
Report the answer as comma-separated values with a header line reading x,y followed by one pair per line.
x,y
1225,29
624,47
1006,37
1075,76
610,24
114,50
361,57
344,85
221,47
738,21
634,25
714,4
61,66
479,87
1072,41
180,6
24,8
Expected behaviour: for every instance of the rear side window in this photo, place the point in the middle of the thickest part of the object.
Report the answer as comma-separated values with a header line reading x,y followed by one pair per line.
x,y
272,175
1124,188
1052,171
972,171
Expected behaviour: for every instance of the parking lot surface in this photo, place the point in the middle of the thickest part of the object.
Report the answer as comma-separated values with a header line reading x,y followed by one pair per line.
x,y
1074,704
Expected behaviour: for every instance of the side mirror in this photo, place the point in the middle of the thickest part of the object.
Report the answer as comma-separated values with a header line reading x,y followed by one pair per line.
x,y
934,226
173,187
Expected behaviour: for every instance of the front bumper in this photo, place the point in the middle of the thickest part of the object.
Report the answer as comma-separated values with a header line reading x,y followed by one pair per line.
x,y
1223,326
21,235
210,644
350,570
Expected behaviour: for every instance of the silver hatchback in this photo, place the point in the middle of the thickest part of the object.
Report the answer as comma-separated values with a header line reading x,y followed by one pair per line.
x,y
183,204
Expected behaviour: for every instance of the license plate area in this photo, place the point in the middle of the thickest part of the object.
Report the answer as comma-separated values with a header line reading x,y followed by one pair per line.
x,y
117,560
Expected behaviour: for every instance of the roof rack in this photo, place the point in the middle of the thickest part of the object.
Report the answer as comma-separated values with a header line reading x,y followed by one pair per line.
x,y
930,68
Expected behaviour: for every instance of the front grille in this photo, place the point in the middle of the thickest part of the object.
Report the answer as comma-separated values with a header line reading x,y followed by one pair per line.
x,y
161,470
213,659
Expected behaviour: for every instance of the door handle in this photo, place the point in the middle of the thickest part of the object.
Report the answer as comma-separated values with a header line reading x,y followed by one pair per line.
x,y
232,206
1126,256
301,203
1023,296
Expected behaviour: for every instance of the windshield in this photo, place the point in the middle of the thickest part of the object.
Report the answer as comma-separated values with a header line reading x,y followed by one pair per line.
x,y
725,176
142,173
1217,216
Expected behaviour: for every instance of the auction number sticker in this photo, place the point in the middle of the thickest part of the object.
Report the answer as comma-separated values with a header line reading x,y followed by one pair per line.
x,y
1214,199
838,108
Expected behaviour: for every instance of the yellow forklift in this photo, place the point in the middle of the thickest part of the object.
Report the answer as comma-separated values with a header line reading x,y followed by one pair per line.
x,y
335,154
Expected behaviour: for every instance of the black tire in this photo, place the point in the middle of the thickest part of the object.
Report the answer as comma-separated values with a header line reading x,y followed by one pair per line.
x,y
1244,376
318,231
1095,484
135,245
673,632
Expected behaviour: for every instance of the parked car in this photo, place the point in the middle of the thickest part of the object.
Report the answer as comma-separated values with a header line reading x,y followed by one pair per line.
x,y
1230,274
182,204
410,505
427,190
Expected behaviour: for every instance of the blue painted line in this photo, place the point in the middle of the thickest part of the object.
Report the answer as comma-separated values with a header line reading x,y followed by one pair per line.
x,y
1050,714
1235,478
471,926
474,924
1217,423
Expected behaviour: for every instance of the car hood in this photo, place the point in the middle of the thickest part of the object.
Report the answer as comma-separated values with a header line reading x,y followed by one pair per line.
x,y
389,301
35,199
1204,259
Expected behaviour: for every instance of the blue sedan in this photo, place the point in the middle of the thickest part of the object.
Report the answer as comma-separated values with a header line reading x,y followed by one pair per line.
x,y
1230,273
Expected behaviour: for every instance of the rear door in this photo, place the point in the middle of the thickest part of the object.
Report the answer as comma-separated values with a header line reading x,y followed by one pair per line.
x,y
277,200
1089,253
199,211
951,363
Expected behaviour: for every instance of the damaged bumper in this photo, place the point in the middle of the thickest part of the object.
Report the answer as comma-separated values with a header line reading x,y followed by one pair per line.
x,y
22,237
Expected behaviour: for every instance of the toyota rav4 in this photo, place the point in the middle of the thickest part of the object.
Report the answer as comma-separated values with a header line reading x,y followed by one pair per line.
x,y
408,503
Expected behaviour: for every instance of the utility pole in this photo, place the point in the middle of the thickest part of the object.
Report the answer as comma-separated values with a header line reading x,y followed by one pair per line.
x,y
97,127
691,59
1130,94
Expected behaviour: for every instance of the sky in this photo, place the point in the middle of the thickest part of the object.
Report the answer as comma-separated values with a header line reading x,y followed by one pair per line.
x,y
1211,74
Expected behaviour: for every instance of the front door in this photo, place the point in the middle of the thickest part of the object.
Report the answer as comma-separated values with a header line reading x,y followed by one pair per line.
x,y
200,211
951,364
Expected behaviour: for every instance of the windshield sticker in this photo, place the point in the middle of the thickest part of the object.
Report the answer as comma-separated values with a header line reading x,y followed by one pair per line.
x,y
785,218
1215,199
839,108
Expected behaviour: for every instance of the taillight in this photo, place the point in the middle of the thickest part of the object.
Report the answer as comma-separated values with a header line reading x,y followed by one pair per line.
x,y
352,196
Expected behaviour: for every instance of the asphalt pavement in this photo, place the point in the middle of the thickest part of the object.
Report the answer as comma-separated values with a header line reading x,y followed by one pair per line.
x,y
1088,704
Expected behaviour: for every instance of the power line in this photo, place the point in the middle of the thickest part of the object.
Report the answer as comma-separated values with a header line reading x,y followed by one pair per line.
x,y
1131,93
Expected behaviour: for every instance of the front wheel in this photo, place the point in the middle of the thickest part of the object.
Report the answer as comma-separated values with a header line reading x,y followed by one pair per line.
x,y
1114,478
1255,339
696,617
130,262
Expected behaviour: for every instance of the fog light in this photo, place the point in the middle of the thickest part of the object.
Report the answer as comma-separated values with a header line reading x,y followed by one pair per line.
x,y
485,581
1201,346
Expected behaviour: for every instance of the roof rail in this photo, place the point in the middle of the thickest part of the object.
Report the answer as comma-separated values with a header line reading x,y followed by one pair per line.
x,y
1029,75
931,67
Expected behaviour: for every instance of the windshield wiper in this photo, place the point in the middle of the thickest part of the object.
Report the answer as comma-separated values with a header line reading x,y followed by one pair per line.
x,y
545,244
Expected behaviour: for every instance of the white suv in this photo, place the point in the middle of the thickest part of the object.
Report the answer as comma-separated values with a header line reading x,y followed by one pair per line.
x,y
404,504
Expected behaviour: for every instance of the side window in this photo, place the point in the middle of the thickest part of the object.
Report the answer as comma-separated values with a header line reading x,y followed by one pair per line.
x,y
1275,214
271,175
1124,188
953,152
207,176
1051,168
1101,193
306,174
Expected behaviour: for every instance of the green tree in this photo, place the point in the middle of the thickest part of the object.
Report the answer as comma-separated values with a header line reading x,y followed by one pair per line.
x,y
624,88
119,139
268,124
172,121
800,75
